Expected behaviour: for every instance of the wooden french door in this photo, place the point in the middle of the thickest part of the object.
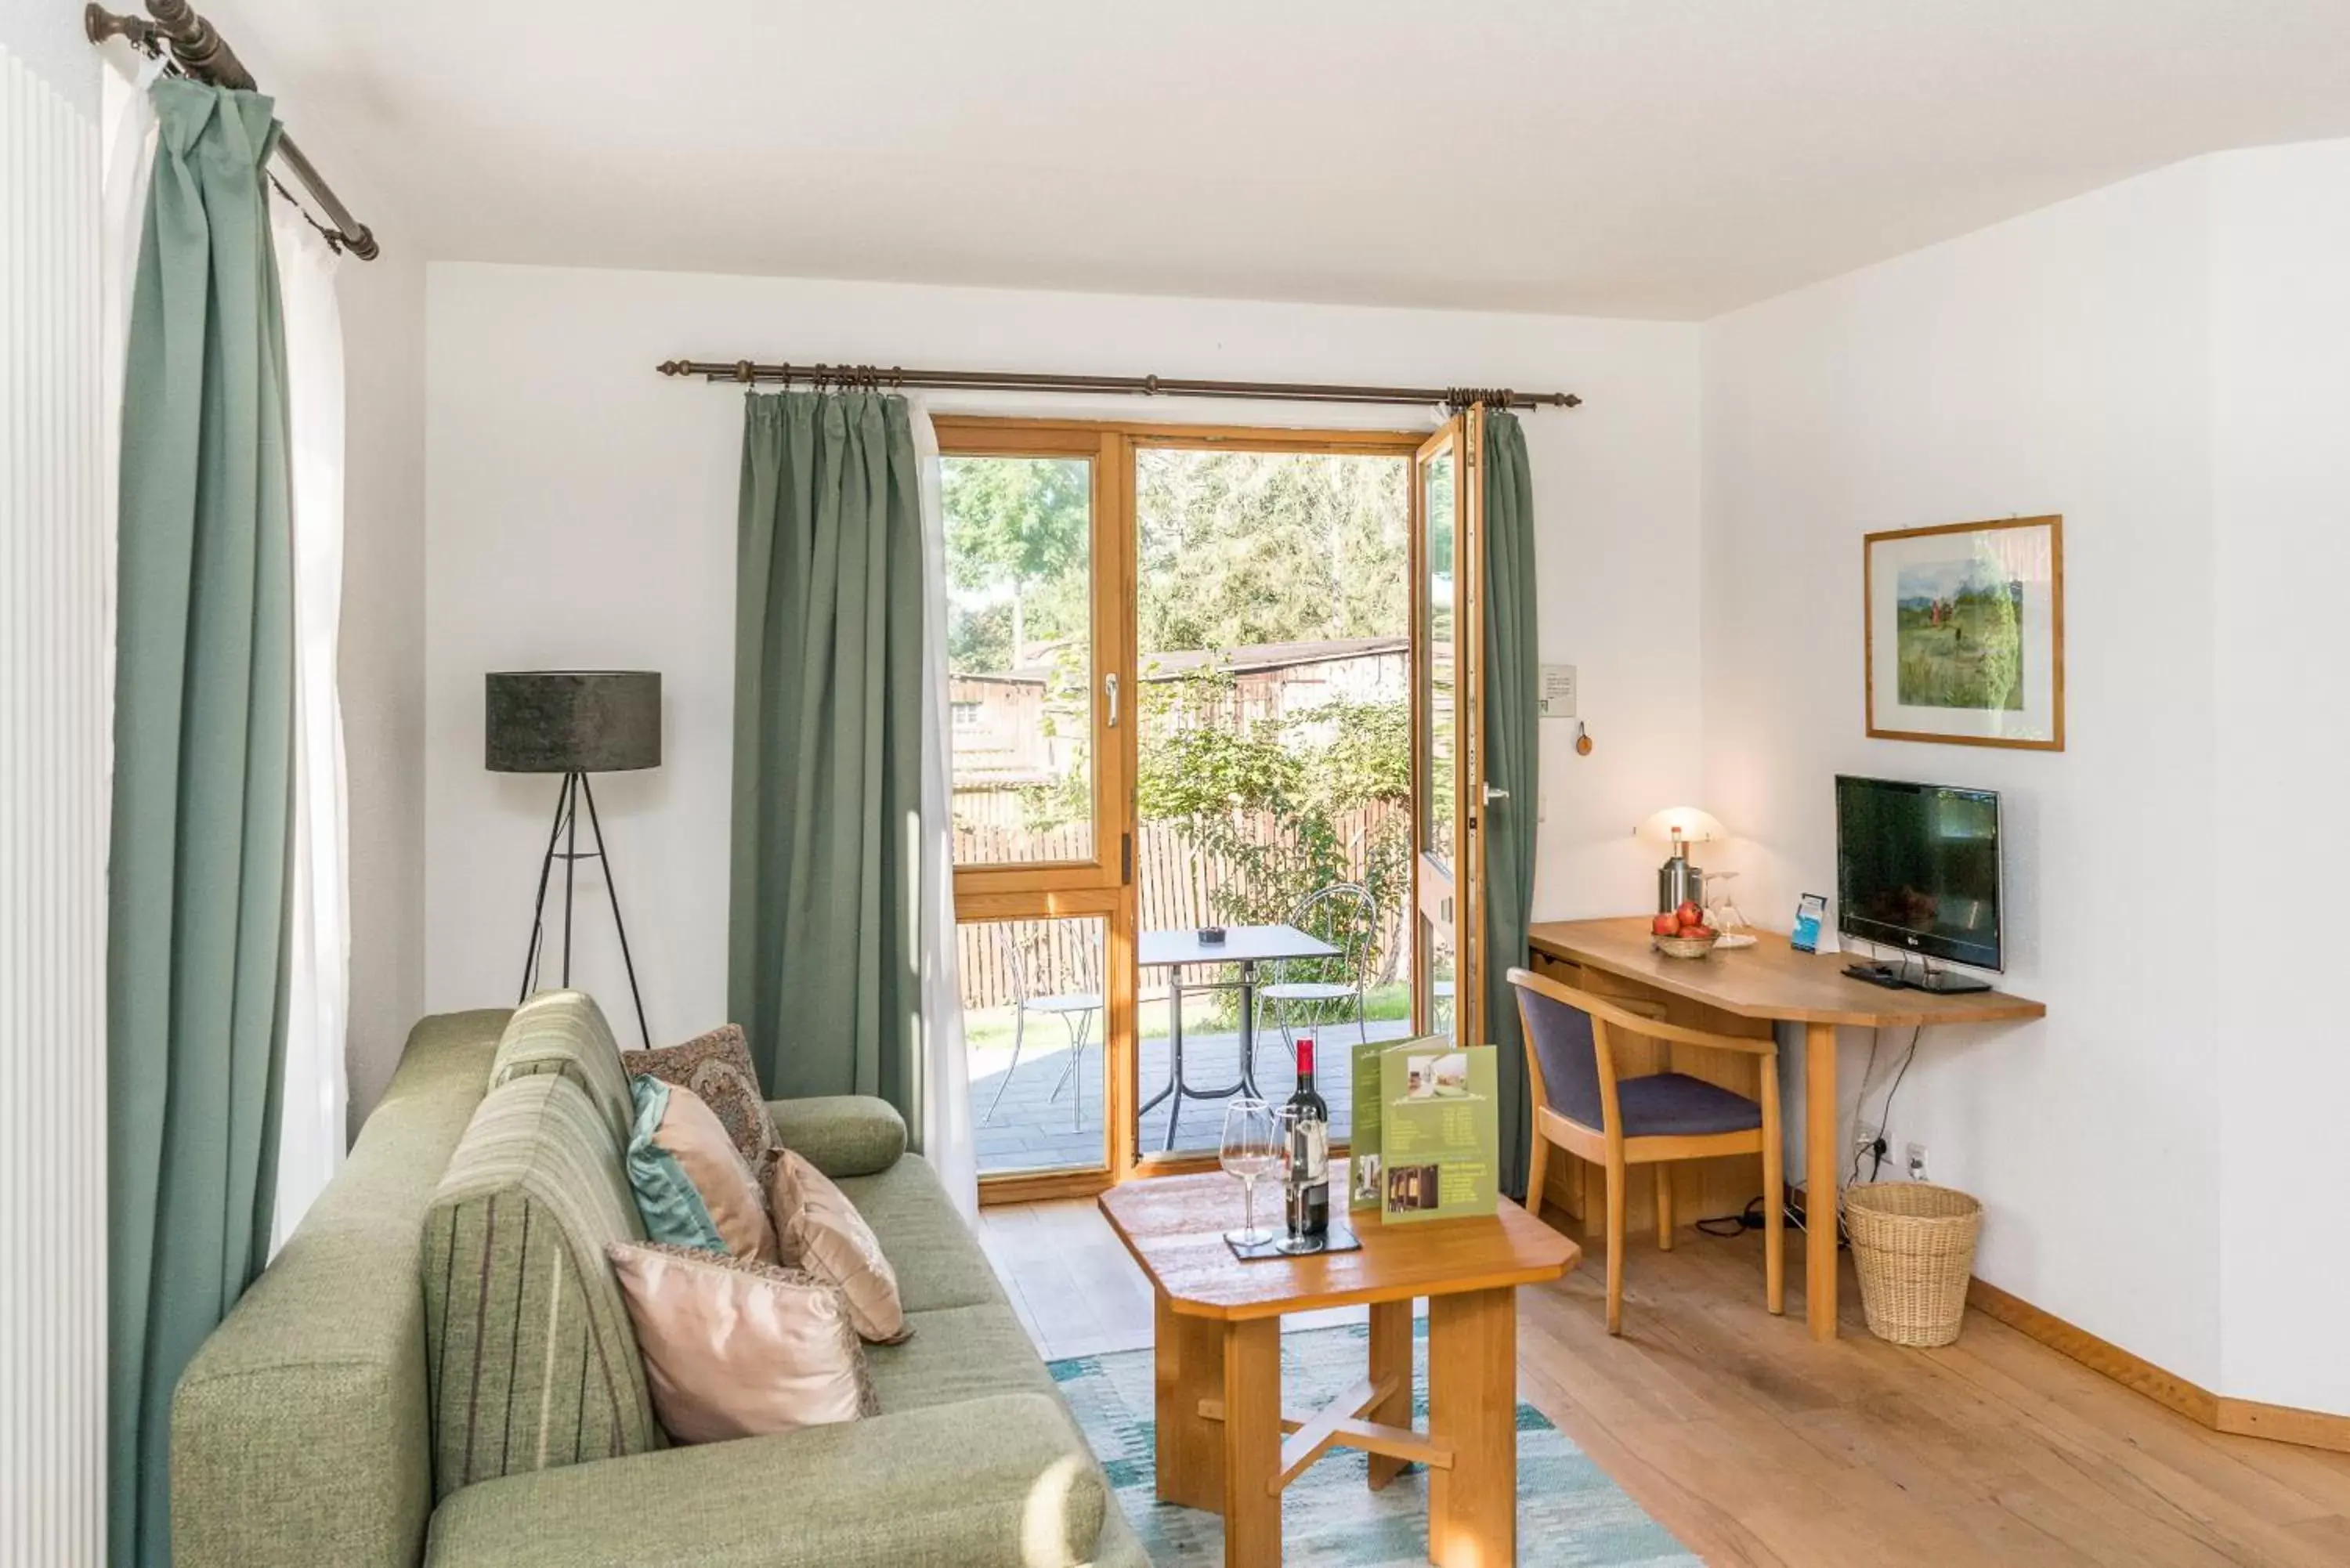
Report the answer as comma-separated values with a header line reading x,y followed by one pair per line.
x,y
1045,662
1448,780
1040,661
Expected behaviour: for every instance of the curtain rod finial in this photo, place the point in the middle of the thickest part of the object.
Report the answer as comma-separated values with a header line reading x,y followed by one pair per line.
x,y
672,366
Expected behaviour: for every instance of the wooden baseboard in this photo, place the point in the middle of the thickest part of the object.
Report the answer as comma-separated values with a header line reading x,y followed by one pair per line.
x,y
2195,1403
2283,1424
2245,1417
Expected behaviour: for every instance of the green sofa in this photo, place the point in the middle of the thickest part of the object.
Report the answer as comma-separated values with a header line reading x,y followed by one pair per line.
x,y
303,1431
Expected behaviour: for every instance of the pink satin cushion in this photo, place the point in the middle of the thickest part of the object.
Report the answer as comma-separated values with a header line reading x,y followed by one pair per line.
x,y
740,1349
818,1230
694,1137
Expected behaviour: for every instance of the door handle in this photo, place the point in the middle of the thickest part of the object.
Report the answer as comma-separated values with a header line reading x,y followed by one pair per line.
x,y
1110,691
1494,793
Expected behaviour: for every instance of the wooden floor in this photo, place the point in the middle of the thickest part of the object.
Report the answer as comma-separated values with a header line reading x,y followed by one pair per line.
x,y
1756,1446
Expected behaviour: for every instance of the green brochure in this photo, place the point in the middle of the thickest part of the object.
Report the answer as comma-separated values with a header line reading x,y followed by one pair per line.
x,y
1363,1162
1439,1131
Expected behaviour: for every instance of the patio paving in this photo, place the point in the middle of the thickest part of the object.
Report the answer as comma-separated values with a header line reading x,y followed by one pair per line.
x,y
1031,1129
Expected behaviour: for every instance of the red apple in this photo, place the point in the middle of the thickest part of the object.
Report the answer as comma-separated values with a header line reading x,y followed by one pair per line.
x,y
1689,914
1702,933
1666,925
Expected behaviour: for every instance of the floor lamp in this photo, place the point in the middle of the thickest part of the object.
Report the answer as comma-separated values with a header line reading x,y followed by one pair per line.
x,y
574,722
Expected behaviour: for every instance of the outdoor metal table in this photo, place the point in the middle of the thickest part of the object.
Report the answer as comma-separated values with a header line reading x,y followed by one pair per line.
x,y
1246,946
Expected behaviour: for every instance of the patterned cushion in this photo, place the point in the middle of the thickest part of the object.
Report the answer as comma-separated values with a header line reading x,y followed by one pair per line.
x,y
533,1360
716,1066
564,1032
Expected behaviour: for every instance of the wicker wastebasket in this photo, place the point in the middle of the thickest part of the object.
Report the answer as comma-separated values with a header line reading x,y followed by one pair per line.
x,y
1913,1245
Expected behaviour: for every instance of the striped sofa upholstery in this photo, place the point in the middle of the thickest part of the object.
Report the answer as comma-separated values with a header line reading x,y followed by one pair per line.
x,y
565,1033
533,1361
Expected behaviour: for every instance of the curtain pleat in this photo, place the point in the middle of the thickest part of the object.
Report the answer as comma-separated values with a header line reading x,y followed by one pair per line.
x,y
1512,761
824,949
197,915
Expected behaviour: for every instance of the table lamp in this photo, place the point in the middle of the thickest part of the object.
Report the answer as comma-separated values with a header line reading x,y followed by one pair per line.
x,y
1678,881
574,722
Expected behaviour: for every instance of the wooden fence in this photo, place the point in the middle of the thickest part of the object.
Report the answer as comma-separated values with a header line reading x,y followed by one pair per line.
x,y
1179,889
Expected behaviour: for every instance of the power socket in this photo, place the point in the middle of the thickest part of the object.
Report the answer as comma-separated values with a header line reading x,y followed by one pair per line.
x,y
1915,1155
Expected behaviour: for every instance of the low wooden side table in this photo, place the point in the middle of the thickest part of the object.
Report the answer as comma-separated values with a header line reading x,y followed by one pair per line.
x,y
1221,1419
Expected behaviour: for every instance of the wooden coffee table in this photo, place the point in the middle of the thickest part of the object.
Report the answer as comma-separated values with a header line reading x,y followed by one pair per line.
x,y
1221,1420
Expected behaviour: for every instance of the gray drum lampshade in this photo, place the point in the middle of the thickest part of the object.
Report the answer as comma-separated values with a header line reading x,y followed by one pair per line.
x,y
572,720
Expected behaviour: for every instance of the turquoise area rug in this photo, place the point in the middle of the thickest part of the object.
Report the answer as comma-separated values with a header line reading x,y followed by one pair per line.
x,y
1570,1515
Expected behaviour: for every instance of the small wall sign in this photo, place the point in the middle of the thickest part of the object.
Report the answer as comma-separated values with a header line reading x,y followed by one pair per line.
x,y
1558,690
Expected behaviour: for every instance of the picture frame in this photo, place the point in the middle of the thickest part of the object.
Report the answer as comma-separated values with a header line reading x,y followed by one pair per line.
x,y
1964,633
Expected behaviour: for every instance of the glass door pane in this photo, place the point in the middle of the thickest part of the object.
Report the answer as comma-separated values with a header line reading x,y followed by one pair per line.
x,y
1274,635
1033,1001
1440,484
1021,657
1445,657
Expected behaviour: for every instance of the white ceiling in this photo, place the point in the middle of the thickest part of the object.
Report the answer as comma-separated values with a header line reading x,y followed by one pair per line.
x,y
1654,158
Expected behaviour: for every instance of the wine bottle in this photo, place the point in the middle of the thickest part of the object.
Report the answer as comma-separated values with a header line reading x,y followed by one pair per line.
x,y
1306,1190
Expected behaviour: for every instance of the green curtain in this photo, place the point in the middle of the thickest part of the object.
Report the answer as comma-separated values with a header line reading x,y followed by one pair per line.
x,y
203,728
824,949
1512,761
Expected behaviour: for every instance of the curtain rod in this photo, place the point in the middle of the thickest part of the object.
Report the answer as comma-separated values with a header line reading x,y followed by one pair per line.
x,y
875,379
200,53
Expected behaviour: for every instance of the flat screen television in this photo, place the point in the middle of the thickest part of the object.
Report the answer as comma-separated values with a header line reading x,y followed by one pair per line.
x,y
1917,868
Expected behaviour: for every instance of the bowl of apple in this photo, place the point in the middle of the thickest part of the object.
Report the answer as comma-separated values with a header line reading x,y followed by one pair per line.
x,y
1682,933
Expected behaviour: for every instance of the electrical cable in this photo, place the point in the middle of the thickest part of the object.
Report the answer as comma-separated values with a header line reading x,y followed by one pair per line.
x,y
1861,1104
1885,1117
1738,1224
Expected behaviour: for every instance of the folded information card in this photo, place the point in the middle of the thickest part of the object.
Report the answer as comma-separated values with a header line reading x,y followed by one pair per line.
x,y
1426,1134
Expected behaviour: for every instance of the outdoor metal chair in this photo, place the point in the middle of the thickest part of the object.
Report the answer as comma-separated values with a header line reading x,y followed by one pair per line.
x,y
1075,1008
1317,991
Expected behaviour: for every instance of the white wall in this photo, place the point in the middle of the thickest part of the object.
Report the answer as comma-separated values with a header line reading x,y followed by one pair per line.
x,y
2280,401
2058,363
382,654
581,512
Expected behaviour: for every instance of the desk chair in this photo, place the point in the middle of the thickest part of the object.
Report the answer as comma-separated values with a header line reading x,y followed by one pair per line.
x,y
1582,1105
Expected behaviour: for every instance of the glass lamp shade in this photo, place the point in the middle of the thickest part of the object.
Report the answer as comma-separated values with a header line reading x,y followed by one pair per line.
x,y
1685,823
572,720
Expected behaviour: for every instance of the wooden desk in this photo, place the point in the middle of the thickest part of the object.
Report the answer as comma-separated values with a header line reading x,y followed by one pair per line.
x,y
1217,1347
1770,984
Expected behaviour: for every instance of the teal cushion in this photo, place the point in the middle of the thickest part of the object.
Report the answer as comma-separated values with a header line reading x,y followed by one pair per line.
x,y
667,1200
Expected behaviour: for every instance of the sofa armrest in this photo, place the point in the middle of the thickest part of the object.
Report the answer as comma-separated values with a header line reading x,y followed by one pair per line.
x,y
841,1134
998,1482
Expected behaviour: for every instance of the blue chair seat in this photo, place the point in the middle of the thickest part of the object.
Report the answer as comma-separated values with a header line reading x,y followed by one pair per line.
x,y
1674,1104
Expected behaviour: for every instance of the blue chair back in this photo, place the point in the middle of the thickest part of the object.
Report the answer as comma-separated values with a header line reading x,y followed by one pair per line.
x,y
1567,1053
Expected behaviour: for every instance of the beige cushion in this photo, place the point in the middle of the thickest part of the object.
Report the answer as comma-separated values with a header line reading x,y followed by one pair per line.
x,y
736,1349
818,1230
716,1066
690,1133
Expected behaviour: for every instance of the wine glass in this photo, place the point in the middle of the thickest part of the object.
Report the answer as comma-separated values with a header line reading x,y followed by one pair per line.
x,y
1722,914
1251,1149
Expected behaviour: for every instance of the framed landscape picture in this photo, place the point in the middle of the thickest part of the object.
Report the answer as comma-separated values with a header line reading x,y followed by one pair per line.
x,y
1966,633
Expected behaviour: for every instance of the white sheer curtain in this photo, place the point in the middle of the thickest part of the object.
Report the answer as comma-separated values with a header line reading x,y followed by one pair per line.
x,y
946,1130
310,1144
127,160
